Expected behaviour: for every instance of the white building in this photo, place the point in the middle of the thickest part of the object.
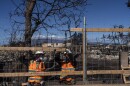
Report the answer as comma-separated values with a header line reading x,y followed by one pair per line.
x,y
55,44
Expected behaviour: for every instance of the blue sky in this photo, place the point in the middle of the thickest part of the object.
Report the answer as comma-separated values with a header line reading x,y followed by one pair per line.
x,y
105,14
99,14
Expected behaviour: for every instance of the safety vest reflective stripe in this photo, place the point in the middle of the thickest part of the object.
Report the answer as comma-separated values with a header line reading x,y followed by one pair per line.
x,y
32,70
68,68
34,78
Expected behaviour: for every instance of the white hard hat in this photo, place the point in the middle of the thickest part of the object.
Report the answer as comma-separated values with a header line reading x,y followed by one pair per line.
x,y
68,51
39,52
65,52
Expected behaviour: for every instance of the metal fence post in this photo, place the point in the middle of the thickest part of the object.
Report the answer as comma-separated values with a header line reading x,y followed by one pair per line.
x,y
84,53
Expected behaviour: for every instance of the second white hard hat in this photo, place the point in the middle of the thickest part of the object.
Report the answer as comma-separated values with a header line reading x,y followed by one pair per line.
x,y
39,52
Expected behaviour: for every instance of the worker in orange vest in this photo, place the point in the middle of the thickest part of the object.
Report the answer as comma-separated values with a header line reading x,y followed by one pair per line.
x,y
67,66
37,65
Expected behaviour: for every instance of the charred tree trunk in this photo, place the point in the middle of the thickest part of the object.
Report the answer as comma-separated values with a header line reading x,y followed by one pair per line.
x,y
28,23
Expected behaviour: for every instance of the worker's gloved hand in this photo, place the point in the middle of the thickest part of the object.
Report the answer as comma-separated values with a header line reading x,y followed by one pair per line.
x,y
68,51
51,59
42,83
45,59
39,59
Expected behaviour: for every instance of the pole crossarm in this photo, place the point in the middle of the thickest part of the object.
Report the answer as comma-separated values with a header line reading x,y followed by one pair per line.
x,y
101,29
89,72
31,48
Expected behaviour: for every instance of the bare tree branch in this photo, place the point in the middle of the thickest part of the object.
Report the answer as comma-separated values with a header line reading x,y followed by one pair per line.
x,y
48,14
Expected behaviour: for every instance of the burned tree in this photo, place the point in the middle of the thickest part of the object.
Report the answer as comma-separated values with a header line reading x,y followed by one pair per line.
x,y
128,4
45,14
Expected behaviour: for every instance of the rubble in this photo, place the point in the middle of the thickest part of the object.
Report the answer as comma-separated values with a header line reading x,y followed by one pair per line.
x,y
14,61
17,61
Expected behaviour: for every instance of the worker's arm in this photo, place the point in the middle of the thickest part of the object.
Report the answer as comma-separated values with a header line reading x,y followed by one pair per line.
x,y
53,67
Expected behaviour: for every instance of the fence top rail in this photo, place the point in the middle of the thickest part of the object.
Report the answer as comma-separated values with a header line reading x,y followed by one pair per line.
x,y
101,29
89,72
32,48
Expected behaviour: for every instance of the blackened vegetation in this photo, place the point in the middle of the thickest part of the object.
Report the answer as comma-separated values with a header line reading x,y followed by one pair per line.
x,y
14,61
18,61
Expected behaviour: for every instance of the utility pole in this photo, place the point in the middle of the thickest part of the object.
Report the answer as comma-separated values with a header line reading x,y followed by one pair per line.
x,y
65,37
84,53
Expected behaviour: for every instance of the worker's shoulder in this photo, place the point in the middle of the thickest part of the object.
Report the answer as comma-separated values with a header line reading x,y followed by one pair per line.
x,y
31,61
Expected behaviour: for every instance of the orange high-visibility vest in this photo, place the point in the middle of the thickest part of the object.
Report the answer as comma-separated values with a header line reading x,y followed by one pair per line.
x,y
67,67
36,67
